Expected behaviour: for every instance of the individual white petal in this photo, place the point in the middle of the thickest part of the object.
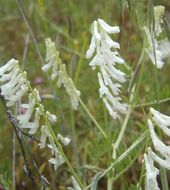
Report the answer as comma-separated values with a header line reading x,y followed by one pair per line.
x,y
111,112
117,106
104,75
115,73
108,28
151,173
92,47
108,42
46,67
96,32
64,140
115,87
37,95
103,89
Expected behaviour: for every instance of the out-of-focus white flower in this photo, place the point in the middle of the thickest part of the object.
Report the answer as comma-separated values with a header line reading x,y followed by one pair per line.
x,y
64,140
158,13
157,50
44,135
153,50
52,118
163,121
151,172
158,144
52,59
58,72
106,58
58,159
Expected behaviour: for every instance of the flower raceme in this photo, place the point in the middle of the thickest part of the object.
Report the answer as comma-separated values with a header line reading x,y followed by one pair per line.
x,y
13,86
163,122
106,58
157,50
58,71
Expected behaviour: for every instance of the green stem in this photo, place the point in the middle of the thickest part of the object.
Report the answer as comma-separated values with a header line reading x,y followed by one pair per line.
x,y
92,118
123,128
52,132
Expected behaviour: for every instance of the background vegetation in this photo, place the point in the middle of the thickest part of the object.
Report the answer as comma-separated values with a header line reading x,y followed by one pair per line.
x,y
68,22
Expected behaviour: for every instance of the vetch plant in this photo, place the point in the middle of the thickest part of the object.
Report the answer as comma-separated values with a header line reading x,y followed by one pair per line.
x,y
131,137
106,58
58,71
156,48
14,86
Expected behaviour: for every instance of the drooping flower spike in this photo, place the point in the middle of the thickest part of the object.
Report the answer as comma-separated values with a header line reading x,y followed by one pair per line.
x,y
13,86
59,73
157,49
163,122
106,58
151,172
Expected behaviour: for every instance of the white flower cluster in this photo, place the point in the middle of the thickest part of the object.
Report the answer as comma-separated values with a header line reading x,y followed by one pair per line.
x,y
110,78
58,71
163,122
14,86
155,51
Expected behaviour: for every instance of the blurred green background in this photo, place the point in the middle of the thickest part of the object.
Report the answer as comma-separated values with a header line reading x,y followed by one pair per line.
x,y
68,23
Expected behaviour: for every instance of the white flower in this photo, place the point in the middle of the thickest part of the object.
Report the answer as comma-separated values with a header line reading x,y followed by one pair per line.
x,y
163,121
151,172
106,59
8,66
58,72
158,13
44,135
24,118
52,118
65,140
52,59
158,144
165,163
58,159
13,88
154,49
14,85
33,126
